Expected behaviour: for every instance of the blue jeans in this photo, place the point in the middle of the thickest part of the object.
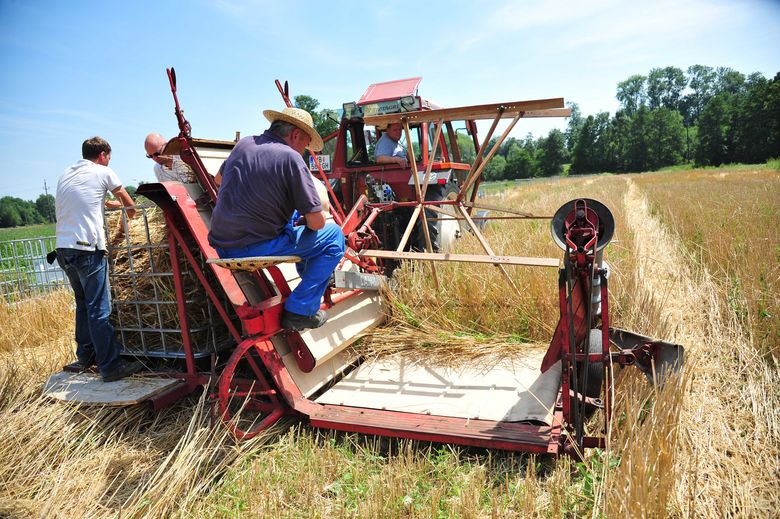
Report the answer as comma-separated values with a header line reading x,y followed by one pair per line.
x,y
87,272
320,253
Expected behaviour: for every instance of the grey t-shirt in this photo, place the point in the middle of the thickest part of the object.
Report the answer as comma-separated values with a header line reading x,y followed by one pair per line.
x,y
388,147
263,181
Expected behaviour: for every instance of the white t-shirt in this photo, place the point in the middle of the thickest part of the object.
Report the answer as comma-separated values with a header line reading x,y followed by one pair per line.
x,y
179,172
79,203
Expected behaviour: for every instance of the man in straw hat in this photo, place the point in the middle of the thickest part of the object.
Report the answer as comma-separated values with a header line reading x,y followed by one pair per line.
x,y
264,182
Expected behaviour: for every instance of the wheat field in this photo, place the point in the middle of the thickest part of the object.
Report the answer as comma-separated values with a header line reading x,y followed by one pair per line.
x,y
707,444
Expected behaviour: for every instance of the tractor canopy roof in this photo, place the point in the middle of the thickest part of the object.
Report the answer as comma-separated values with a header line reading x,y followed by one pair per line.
x,y
388,97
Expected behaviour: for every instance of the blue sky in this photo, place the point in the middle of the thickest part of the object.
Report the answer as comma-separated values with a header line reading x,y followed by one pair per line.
x,y
75,69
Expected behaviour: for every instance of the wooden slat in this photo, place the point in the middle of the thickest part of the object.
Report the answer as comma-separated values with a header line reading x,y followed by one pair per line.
x,y
553,112
409,228
463,258
474,112
89,388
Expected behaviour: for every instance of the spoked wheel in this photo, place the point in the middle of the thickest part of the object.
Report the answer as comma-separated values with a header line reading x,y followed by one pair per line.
x,y
247,404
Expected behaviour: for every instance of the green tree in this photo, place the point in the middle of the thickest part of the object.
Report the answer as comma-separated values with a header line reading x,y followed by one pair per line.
x,y
701,81
665,138
665,87
325,122
9,216
45,206
573,126
15,212
772,109
495,168
583,158
631,93
466,148
752,122
714,131
519,163
729,80
552,154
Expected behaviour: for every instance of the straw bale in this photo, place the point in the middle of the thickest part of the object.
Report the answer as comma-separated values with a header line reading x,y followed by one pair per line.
x,y
145,312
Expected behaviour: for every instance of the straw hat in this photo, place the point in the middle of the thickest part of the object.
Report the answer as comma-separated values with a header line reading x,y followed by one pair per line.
x,y
300,119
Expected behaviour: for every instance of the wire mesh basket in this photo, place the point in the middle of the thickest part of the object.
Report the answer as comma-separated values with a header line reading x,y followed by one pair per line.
x,y
144,313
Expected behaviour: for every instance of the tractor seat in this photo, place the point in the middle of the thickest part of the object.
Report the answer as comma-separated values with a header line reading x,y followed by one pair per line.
x,y
253,263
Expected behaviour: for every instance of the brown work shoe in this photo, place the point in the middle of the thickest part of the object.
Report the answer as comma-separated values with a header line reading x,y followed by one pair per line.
x,y
293,321
122,370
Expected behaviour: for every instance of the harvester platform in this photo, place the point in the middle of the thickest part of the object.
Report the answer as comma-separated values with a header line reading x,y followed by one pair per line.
x,y
89,389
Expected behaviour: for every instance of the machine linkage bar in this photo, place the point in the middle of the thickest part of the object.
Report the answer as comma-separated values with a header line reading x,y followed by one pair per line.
x,y
505,210
464,258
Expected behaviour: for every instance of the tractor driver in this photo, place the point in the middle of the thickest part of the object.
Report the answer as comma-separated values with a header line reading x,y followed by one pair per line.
x,y
264,181
388,149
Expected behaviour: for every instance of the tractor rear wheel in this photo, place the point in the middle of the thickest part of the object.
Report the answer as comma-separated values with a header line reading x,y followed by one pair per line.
x,y
246,403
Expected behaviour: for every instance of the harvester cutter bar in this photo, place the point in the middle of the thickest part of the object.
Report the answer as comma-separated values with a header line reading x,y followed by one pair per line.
x,y
514,436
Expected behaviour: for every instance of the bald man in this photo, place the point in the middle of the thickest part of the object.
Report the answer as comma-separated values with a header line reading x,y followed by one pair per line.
x,y
167,167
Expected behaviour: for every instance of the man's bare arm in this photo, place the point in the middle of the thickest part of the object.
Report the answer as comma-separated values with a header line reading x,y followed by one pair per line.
x,y
316,220
124,197
387,159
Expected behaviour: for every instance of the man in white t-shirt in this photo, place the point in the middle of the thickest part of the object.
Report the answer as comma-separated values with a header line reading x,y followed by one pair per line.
x,y
81,252
166,167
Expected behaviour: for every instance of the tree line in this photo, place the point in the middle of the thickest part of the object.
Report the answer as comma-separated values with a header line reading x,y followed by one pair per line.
x,y
15,212
705,116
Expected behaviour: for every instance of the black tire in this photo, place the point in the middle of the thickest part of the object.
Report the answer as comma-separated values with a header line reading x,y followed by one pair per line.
x,y
595,377
595,369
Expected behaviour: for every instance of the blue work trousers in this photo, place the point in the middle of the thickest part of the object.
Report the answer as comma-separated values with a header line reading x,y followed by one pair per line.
x,y
87,272
320,253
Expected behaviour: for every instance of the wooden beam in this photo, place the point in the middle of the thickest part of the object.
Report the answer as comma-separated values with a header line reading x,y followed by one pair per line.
x,y
409,227
464,258
553,112
474,112
430,160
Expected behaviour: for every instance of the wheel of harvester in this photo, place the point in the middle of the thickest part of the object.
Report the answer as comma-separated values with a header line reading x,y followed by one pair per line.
x,y
246,403
595,372
589,381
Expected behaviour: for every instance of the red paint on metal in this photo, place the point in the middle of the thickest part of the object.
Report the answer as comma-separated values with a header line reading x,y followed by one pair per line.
x,y
390,90
181,304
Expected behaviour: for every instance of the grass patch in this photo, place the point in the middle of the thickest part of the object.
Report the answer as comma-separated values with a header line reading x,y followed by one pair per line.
x,y
28,231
